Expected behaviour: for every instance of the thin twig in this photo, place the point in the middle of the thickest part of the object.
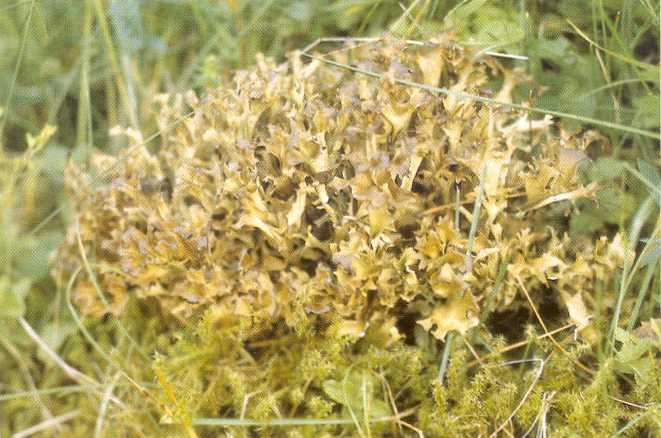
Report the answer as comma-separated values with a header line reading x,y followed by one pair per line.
x,y
628,403
541,322
525,396
470,198
582,192
387,390
541,416
68,369
472,350
107,394
285,422
34,391
521,344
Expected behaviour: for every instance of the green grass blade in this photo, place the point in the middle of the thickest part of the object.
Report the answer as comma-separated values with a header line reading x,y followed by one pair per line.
x,y
17,68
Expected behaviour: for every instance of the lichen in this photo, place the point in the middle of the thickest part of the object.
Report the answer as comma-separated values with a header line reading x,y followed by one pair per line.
x,y
299,229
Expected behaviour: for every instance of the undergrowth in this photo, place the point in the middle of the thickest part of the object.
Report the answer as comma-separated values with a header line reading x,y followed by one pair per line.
x,y
126,361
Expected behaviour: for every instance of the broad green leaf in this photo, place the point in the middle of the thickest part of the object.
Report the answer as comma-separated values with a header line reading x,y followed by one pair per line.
x,y
632,356
650,75
648,114
351,393
32,258
462,12
567,77
337,391
477,23
607,169
609,200
55,334
12,297
555,50
585,223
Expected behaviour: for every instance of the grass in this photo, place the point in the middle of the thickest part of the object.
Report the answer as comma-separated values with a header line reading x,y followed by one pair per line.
x,y
89,67
447,347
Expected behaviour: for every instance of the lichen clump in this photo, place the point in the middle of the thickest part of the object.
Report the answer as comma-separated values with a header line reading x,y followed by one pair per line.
x,y
305,198
304,191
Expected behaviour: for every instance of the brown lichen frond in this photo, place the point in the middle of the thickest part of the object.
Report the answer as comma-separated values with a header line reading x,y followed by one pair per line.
x,y
303,192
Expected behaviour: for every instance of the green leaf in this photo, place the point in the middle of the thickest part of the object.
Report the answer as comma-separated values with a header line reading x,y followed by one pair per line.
x,y
463,11
608,200
585,223
496,27
566,75
352,393
55,333
632,356
648,113
606,169
32,258
482,25
557,50
12,297
336,391
650,75
613,206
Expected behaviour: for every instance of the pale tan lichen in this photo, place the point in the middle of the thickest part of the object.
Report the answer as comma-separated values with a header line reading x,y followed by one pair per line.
x,y
303,191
